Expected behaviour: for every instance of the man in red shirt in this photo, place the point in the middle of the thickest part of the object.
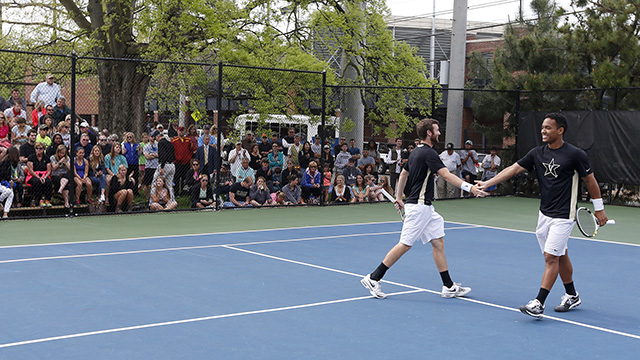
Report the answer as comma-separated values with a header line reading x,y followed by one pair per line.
x,y
184,150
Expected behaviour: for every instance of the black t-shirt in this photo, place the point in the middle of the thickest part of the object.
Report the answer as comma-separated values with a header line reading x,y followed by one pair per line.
x,y
240,192
558,172
26,150
39,165
422,166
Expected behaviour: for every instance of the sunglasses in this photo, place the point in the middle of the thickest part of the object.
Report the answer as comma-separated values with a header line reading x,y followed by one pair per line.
x,y
205,180
39,148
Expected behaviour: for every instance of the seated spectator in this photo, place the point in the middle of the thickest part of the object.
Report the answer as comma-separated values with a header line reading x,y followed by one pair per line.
x,y
326,157
369,170
265,172
245,171
326,180
360,189
276,158
97,172
131,151
121,190
264,147
259,194
39,177
61,172
280,198
81,175
48,121
365,160
112,162
305,156
312,183
103,143
6,198
161,197
19,133
39,111
384,183
64,129
61,110
202,195
5,140
374,189
84,143
239,194
192,179
255,156
293,192
16,111
226,181
277,179
342,159
42,137
350,173
286,173
56,141
12,171
341,192
29,148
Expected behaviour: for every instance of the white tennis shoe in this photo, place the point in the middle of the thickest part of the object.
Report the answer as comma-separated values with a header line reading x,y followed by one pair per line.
x,y
568,302
533,308
454,291
373,287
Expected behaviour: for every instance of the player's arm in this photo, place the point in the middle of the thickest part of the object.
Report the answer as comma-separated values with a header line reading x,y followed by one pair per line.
x,y
503,175
402,182
596,198
456,181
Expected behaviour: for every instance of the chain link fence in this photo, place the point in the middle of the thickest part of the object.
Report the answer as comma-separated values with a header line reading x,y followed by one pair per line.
x,y
157,135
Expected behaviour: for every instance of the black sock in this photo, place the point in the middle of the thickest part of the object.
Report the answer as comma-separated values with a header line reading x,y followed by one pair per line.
x,y
570,289
446,279
378,273
542,295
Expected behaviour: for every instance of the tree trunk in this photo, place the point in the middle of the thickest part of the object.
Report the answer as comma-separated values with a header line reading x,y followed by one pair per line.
x,y
123,88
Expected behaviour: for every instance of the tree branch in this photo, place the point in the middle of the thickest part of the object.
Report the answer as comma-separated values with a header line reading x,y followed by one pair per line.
x,y
76,15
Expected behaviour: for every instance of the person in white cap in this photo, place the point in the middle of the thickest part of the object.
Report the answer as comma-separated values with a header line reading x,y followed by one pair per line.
x,y
47,91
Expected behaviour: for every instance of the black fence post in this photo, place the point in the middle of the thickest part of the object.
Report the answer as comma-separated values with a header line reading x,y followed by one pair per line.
x,y
517,128
219,125
74,138
433,100
323,128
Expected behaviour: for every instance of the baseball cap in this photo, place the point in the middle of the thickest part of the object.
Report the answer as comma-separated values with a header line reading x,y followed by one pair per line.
x,y
49,76
327,147
181,128
84,124
468,142
449,146
44,127
154,133
206,127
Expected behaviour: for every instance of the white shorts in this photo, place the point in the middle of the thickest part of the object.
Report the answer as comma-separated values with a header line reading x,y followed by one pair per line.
x,y
553,234
421,222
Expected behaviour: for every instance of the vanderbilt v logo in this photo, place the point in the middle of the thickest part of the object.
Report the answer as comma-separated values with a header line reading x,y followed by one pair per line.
x,y
550,168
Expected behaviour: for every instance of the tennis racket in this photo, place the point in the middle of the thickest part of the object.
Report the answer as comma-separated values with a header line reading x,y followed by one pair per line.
x,y
393,201
588,223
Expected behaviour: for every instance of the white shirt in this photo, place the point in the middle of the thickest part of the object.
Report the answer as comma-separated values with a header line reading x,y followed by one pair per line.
x,y
450,161
8,113
486,165
235,165
390,161
47,93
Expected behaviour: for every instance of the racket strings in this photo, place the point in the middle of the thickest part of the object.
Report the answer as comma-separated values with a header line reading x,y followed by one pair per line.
x,y
586,222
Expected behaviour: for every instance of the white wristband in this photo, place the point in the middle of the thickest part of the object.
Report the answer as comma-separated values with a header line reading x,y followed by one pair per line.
x,y
466,186
597,204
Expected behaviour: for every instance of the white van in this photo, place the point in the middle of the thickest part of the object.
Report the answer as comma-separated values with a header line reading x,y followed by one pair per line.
x,y
306,126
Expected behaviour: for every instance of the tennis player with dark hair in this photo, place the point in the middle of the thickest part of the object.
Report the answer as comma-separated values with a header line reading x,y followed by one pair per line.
x,y
558,166
421,221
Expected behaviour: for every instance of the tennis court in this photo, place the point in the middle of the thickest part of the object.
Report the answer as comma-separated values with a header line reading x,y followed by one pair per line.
x,y
284,283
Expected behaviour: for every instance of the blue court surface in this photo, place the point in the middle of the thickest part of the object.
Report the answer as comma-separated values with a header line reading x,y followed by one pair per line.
x,y
295,294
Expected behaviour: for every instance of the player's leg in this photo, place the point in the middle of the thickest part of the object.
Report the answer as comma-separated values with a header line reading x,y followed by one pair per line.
x,y
571,298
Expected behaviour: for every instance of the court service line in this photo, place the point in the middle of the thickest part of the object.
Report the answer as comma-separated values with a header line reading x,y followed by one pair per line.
x,y
59,257
594,327
192,320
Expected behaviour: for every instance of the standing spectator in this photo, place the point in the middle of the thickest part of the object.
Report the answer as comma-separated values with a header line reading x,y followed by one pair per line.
x,y
294,150
254,153
47,91
150,152
121,190
192,133
11,170
16,111
81,175
39,177
265,146
207,155
276,158
214,136
226,181
184,149
64,129
161,197
245,171
131,151
15,97
351,172
55,142
372,148
60,110
202,196
5,139
293,192
354,150
19,133
451,160
166,158
341,193
394,160
365,160
469,158
248,141
97,172
42,135
288,140
236,156
312,183
259,194
239,194
38,113
172,129
490,164
206,131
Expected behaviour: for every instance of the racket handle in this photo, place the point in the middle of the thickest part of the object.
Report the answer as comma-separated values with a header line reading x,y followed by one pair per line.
x,y
611,222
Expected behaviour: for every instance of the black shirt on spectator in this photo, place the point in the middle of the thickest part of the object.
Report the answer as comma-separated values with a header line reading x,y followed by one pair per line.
x,y
240,192
26,150
39,165
166,152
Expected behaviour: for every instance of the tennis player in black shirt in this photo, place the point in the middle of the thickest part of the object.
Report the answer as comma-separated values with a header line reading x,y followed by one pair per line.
x,y
421,221
558,165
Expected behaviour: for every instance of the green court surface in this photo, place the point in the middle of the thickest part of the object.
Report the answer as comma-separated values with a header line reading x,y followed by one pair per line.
x,y
505,212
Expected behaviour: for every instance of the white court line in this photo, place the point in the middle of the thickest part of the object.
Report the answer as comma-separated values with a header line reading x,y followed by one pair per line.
x,y
204,246
186,321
